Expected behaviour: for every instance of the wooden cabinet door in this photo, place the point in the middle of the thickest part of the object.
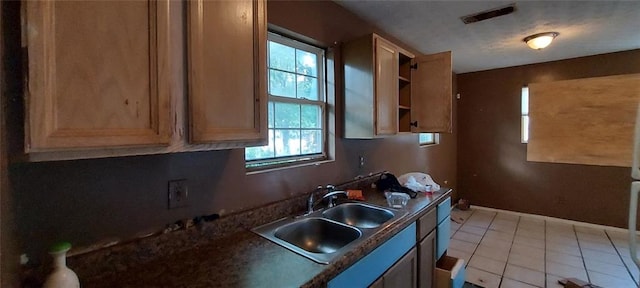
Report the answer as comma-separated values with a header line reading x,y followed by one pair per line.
x,y
97,74
386,85
431,93
227,71
427,260
404,273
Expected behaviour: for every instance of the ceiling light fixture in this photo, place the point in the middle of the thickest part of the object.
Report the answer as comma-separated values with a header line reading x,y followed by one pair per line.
x,y
540,40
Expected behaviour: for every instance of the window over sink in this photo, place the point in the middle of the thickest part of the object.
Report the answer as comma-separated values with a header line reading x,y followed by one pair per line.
x,y
297,108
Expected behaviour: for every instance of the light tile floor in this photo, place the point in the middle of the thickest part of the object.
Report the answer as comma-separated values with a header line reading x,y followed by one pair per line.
x,y
504,250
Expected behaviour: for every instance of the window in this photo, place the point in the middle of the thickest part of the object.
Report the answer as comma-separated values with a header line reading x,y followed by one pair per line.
x,y
297,105
525,115
429,138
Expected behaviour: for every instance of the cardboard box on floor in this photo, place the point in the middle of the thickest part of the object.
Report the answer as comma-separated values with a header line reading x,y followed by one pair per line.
x,y
449,272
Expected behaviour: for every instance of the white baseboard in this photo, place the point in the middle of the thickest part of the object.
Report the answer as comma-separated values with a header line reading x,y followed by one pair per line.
x,y
554,219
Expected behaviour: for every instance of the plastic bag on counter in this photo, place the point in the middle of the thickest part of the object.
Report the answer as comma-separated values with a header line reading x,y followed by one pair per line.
x,y
389,182
419,182
415,186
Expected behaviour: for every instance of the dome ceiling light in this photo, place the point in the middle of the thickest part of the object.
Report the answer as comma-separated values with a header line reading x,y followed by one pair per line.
x,y
540,40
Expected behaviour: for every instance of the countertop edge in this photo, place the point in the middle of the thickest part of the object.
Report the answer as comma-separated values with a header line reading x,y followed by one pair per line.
x,y
322,278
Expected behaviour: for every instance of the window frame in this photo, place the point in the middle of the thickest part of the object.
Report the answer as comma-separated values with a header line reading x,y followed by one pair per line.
x,y
435,141
524,115
322,103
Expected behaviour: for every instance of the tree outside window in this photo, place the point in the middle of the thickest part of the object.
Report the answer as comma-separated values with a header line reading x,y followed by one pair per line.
x,y
296,109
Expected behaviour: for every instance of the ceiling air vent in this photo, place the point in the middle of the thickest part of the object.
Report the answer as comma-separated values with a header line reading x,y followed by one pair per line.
x,y
489,14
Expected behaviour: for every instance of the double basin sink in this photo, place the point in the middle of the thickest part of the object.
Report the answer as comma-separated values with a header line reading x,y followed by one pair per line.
x,y
324,235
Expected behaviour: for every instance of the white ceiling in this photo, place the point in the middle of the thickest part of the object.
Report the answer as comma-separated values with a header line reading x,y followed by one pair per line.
x,y
585,27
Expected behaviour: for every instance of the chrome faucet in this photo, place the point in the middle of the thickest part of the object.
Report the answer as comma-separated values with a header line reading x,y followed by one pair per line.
x,y
332,197
331,194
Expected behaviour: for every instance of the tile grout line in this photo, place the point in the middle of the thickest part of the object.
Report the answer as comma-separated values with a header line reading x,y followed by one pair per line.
x,y
513,238
620,255
474,250
485,233
518,221
545,254
546,228
553,219
477,246
584,262
544,258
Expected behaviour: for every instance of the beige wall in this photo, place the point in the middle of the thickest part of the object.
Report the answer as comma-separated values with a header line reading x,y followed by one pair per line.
x,y
86,201
492,166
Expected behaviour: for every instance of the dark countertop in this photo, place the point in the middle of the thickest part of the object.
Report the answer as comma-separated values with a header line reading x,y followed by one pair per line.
x,y
245,259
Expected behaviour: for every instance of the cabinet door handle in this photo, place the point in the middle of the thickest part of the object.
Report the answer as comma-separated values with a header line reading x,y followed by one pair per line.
x,y
414,123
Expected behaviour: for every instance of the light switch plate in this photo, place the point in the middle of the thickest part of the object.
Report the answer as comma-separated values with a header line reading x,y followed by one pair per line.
x,y
178,193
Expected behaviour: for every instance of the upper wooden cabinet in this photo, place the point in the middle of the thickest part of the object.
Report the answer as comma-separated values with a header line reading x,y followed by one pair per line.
x,y
371,87
386,95
227,71
97,74
431,94
107,78
386,87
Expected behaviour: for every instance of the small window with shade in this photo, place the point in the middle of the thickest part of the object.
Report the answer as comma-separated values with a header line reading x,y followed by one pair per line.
x,y
524,109
428,138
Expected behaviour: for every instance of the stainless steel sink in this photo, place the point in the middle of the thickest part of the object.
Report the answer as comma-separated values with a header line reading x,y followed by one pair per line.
x,y
317,235
322,236
359,215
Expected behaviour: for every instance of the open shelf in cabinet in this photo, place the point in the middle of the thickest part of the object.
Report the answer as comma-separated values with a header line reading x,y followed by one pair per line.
x,y
404,92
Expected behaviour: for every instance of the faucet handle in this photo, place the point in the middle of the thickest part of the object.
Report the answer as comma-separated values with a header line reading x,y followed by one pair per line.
x,y
330,188
314,192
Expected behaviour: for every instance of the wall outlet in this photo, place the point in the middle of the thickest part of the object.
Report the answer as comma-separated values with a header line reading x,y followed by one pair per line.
x,y
361,163
178,193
